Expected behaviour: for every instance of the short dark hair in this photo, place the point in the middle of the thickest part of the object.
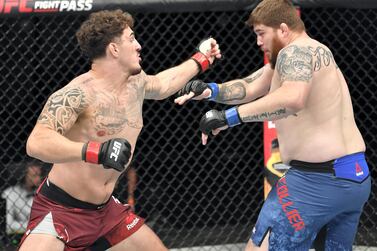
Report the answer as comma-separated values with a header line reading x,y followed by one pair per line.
x,y
100,29
272,13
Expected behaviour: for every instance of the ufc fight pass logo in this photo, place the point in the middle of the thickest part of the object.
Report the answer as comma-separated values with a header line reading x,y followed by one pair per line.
x,y
34,6
116,150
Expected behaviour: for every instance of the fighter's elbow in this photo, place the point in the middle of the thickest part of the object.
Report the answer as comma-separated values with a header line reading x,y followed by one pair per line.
x,y
31,148
296,104
296,96
34,144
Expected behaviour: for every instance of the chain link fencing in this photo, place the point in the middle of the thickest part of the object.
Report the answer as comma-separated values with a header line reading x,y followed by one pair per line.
x,y
191,195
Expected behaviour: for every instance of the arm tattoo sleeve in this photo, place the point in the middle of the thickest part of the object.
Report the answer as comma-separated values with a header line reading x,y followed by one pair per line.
x,y
266,116
237,90
295,63
233,91
63,108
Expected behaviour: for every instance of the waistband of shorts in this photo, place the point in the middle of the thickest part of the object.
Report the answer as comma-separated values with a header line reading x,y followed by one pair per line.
x,y
323,167
58,195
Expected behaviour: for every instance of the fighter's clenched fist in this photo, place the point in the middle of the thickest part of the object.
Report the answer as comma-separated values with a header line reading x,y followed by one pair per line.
x,y
206,53
114,153
215,119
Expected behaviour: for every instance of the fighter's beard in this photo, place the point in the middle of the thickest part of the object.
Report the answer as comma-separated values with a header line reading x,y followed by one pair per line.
x,y
277,45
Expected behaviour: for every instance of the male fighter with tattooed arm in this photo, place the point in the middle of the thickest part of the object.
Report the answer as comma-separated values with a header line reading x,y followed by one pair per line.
x,y
88,129
309,101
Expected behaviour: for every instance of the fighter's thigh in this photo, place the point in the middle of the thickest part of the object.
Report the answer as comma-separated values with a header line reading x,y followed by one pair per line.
x,y
342,231
41,242
144,239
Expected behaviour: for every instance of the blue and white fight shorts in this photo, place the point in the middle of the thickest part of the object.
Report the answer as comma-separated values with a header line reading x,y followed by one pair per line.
x,y
313,195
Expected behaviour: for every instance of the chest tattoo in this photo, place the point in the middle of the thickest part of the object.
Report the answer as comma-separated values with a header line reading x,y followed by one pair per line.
x,y
112,113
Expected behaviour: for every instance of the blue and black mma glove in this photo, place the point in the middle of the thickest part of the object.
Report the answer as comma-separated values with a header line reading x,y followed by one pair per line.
x,y
198,87
114,153
214,119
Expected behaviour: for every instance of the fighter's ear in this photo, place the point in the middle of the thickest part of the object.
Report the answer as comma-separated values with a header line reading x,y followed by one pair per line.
x,y
284,29
113,49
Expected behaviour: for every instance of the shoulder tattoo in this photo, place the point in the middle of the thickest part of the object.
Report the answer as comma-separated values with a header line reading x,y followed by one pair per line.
x,y
295,63
63,108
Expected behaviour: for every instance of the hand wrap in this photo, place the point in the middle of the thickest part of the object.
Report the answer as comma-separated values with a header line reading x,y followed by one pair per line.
x,y
200,57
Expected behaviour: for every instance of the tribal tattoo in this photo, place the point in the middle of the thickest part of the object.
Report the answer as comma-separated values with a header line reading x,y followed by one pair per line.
x,y
62,109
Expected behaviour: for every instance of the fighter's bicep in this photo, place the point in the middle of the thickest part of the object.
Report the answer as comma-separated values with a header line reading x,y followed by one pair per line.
x,y
255,76
152,87
259,82
63,108
151,83
295,63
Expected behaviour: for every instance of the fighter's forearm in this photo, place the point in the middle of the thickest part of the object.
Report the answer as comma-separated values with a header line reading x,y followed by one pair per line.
x,y
266,115
274,106
244,90
231,92
173,79
50,146
234,92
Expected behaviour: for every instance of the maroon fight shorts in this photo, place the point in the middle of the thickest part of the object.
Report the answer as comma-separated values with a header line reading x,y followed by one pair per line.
x,y
82,225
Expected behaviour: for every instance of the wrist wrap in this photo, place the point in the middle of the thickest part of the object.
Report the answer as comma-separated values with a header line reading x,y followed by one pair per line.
x,y
201,60
90,152
232,116
214,91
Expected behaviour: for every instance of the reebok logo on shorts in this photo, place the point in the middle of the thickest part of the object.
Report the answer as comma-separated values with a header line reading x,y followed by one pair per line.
x,y
133,223
358,170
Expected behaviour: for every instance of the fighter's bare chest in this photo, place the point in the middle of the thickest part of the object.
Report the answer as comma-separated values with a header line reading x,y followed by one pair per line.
x,y
112,114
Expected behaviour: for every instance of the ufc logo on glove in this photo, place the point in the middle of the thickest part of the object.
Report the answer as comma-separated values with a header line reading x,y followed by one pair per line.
x,y
113,153
116,150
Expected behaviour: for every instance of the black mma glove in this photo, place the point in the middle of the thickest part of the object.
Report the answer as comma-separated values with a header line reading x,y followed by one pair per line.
x,y
198,86
214,119
114,153
200,56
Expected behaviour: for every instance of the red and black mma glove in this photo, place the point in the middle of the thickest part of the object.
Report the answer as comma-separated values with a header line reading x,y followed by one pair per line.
x,y
214,119
200,56
114,153
198,87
